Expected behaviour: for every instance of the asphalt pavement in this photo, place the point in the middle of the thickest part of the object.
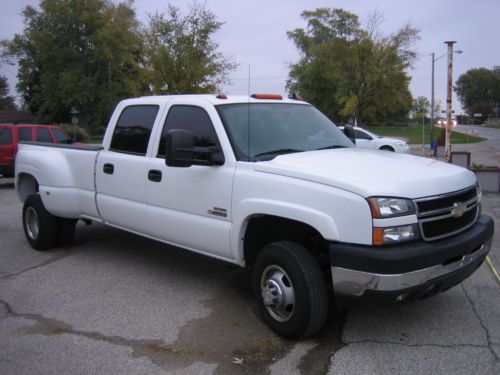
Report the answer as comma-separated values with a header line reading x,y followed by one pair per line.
x,y
486,153
116,303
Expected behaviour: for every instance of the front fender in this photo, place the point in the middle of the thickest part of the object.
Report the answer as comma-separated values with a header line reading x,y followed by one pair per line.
x,y
320,221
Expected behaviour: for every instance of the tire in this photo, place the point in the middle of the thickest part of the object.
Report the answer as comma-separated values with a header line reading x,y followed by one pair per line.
x,y
386,148
40,227
65,231
290,290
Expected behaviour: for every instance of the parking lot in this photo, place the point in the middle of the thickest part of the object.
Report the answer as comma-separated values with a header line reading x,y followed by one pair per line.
x,y
115,303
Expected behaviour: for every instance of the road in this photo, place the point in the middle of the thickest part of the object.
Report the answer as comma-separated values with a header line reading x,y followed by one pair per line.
x,y
485,153
115,303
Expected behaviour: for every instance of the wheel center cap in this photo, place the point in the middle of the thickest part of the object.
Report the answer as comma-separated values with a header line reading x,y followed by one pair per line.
x,y
271,294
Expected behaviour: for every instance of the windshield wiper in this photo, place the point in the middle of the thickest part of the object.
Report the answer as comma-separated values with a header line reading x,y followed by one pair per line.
x,y
279,151
330,147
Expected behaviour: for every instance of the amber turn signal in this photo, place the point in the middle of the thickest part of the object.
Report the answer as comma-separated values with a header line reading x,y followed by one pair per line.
x,y
378,236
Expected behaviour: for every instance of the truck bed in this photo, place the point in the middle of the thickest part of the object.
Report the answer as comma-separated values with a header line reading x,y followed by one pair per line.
x,y
65,174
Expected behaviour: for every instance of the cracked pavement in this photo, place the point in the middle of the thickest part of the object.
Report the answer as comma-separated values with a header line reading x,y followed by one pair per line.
x,y
115,303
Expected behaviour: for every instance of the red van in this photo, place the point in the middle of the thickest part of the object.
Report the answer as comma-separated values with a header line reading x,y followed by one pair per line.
x,y
11,135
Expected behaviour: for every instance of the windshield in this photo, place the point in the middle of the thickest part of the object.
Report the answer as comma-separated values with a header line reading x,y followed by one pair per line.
x,y
277,129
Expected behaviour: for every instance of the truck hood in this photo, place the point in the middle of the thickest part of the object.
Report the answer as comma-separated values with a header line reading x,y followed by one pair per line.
x,y
372,173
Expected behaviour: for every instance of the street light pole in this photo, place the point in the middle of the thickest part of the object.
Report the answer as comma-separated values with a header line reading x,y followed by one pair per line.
x,y
432,98
448,101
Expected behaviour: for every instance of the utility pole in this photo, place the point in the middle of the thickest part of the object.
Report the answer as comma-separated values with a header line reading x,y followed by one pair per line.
x,y
448,101
432,98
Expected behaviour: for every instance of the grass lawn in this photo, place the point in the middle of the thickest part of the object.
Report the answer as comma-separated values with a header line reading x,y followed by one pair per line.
x,y
414,134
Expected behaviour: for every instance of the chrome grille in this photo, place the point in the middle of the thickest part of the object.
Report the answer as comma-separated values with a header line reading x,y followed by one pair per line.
x,y
444,215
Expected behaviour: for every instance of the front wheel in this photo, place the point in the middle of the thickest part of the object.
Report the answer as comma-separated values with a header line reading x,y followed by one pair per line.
x,y
290,289
40,227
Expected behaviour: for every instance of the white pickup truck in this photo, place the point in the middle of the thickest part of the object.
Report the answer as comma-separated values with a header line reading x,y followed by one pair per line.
x,y
272,185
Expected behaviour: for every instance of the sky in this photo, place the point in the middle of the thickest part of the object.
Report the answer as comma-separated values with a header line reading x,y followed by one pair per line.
x,y
254,35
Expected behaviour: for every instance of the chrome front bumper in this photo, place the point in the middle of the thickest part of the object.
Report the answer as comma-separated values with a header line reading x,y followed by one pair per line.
x,y
356,283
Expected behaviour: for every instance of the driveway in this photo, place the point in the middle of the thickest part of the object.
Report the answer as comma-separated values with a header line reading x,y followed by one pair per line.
x,y
115,303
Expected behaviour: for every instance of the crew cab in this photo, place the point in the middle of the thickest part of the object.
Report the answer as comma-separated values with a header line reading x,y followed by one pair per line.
x,y
269,184
12,134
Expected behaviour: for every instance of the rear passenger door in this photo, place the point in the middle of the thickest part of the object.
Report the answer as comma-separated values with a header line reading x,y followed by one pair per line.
x,y
121,170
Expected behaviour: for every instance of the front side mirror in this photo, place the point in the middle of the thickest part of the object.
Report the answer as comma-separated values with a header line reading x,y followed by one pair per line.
x,y
179,148
180,151
350,133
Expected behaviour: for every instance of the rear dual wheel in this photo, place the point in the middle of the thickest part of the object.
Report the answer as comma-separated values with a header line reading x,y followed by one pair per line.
x,y
44,230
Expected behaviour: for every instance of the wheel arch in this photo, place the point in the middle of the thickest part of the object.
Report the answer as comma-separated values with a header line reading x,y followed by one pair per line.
x,y
387,147
262,222
27,185
264,229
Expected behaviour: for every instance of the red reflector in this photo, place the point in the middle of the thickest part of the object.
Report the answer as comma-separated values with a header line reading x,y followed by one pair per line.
x,y
221,96
267,96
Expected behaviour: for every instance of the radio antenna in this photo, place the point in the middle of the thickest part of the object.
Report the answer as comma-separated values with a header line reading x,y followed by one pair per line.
x,y
248,154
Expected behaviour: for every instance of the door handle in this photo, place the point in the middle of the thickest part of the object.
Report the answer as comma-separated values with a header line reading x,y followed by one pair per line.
x,y
108,168
154,175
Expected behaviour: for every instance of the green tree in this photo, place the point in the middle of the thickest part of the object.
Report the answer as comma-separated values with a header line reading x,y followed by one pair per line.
x,y
346,70
479,90
181,55
421,106
77,53
6,101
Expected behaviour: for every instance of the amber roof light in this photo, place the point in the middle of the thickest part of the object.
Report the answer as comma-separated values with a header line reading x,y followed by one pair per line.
x,y
267,96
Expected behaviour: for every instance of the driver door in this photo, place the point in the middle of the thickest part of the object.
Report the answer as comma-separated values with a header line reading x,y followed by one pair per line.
x,y
190,207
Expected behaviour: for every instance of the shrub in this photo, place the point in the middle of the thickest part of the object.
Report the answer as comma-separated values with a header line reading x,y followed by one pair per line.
x,y
81,133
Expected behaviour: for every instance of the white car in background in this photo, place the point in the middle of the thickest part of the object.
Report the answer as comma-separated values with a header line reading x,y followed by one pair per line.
x,y
367,139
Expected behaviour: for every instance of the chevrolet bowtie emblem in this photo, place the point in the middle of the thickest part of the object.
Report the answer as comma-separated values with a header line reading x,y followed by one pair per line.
x,y
458,209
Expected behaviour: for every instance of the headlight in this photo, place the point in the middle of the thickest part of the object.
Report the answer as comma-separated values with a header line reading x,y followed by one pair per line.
x,y
401,144
383,207
388,235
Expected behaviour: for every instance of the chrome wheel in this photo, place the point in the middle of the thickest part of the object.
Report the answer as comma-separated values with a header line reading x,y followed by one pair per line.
x,y
32,223
277,293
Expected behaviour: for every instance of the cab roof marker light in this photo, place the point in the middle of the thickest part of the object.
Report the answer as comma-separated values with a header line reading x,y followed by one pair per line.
x,y
221,96
267,96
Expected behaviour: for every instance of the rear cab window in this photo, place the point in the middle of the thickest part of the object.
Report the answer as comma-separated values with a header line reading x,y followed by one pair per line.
x,y
5,136
133,129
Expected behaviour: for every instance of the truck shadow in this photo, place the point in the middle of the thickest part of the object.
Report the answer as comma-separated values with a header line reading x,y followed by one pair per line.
x,y
232,331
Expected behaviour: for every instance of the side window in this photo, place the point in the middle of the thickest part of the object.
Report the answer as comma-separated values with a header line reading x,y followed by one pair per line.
x,y
43,135
5,136
194,119
133,129
361,135
24,134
